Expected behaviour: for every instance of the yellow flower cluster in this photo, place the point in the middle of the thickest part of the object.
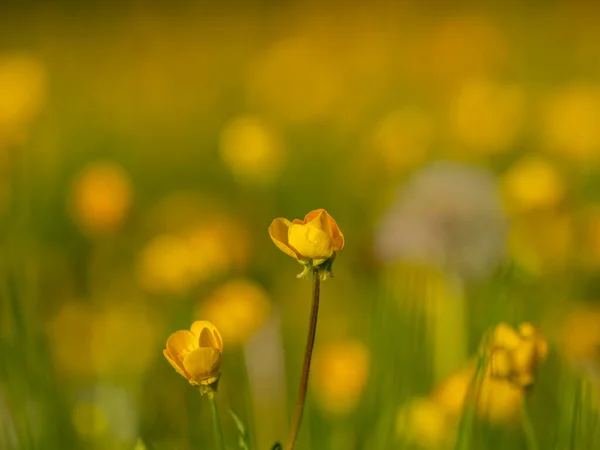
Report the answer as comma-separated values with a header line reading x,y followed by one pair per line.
x,y
516,354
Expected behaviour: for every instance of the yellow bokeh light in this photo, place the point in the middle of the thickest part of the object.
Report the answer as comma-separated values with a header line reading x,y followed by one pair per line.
x,y
237,308
487,117
533,183
425,423
571,123
402,139
580,335
100,199
296,80
340,373
88,340
22,92
251,150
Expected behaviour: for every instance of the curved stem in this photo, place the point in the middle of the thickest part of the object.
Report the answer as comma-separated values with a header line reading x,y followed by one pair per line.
x,y
310,342
528,428
216,422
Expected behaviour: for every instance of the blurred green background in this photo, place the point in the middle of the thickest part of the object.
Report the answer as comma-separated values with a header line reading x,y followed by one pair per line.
x,y
145,148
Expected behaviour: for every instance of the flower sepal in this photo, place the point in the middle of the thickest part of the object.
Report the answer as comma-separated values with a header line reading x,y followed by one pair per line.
x,y
210,388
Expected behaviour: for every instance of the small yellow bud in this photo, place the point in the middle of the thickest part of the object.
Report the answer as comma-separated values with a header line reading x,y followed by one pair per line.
x,y
311,241
196,354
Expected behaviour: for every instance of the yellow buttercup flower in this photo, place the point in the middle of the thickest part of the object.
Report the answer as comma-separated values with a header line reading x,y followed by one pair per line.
x,y
196,354
515,355
311,241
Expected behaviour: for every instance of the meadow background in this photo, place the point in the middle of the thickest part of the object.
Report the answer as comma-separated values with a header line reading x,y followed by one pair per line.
x,y
145,148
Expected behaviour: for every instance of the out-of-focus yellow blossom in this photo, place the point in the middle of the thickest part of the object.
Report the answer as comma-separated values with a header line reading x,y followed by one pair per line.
x,y
424,423
402,139
340,372
590,253
464,47
176,262
571,127
580,335
168,264
123,340
311,241
100,198
71,338
89,419
532,184
541,243
22,93
196,354
251,150
516,355
237,308
487,117
88,340
296,80
498,400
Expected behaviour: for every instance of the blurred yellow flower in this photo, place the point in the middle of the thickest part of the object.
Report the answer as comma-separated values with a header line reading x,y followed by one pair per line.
x,y
402,139
296,80
424,423
168,264
516,355
542,243
87,339
498,401
340,372
89,419
251,150
590,252
463,47
580,335
100,198
570,126
237,308
487,117
70,337
196,355
533,183
22,93
175,262
312,240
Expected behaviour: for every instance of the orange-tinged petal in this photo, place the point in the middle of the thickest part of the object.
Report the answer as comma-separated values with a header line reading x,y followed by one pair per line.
x,y
207,339
505,336
215,338
175,366
180,344
278,230
337,236
310,240
203,364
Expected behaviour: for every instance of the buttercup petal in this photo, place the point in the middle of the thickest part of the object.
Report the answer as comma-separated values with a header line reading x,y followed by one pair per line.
x,y
207,339
203,363
175,366
310,240
180,344
505,336
321,222
337,236
199,325
278,230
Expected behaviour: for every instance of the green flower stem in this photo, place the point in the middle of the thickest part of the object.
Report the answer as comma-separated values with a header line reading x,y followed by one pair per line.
x,y
528,429
467,419
216,421
310,342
